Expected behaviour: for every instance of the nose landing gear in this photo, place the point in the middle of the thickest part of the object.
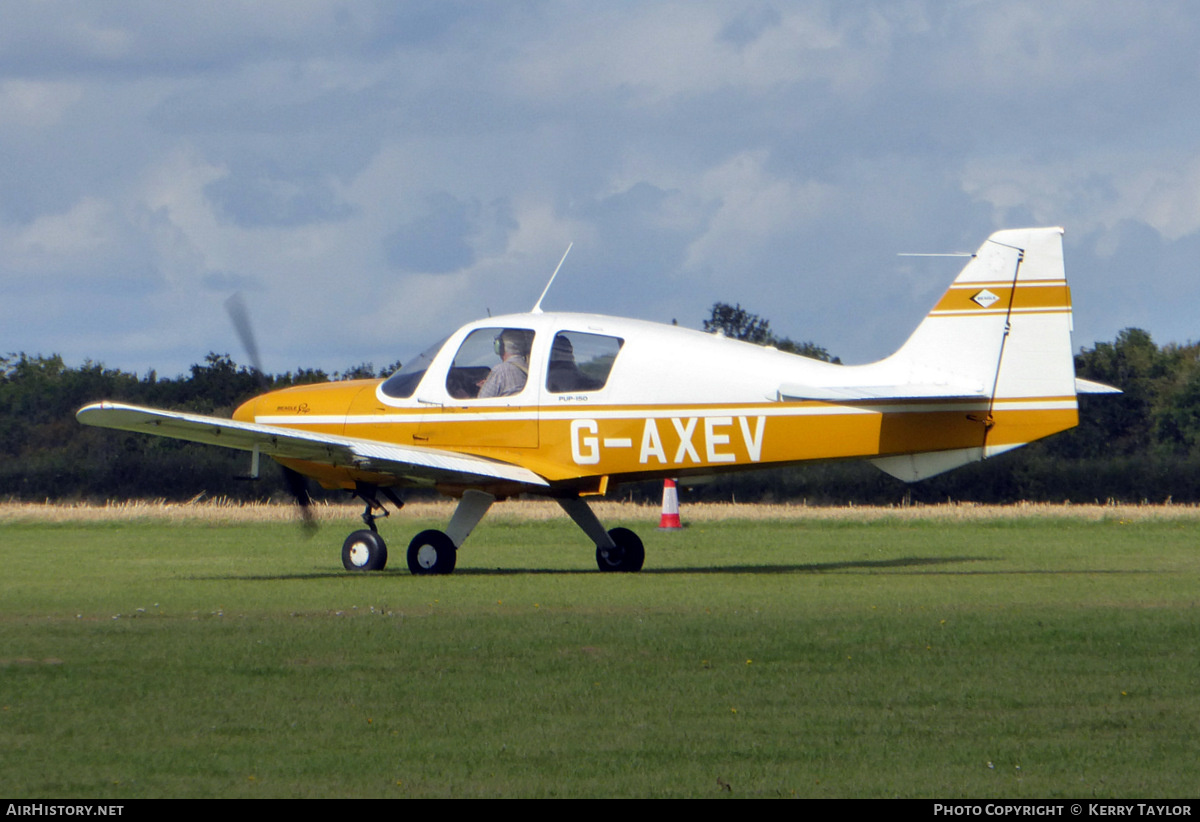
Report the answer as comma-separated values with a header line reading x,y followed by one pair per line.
x,y
365,550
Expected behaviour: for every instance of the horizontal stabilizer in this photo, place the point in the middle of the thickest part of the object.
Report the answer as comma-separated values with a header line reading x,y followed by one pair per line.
x,y
1083,386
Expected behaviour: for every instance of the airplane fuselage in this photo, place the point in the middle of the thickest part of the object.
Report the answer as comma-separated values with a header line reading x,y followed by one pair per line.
x,y
674,403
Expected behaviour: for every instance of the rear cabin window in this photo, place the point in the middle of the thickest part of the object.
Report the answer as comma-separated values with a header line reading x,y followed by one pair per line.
x,y
580,362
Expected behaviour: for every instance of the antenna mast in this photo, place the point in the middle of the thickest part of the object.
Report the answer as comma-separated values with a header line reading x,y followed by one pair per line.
x,y
537,308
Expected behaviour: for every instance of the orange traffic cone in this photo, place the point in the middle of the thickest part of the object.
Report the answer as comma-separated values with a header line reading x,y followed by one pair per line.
x,y
670,508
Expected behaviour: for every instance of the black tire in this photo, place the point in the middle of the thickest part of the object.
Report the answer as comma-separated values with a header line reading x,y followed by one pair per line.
x,y
364,551
627,556
432,552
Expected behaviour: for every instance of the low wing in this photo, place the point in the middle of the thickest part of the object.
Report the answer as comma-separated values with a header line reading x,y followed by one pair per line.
x,y
421,464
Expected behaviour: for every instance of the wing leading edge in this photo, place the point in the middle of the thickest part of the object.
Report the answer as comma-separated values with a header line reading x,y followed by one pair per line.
x,y
422,464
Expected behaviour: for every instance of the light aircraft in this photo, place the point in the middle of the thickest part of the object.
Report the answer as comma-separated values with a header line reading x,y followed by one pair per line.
x,y
569,406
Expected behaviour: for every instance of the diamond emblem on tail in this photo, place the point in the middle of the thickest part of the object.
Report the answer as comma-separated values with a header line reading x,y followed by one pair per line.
x,y
984,298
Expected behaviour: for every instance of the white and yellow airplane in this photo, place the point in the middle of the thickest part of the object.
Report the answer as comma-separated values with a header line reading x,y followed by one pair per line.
x,y
570,405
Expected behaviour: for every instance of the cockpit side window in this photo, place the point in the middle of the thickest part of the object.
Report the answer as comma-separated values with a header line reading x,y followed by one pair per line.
x,y
581,362
491,362
403,383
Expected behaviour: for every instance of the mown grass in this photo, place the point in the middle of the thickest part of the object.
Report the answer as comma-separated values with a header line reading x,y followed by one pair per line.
x,y
1014,657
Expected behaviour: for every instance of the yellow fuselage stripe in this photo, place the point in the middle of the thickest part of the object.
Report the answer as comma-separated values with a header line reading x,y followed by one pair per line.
x,y
563,444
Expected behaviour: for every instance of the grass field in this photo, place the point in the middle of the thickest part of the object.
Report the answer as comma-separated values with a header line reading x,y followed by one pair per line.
x,y
939,652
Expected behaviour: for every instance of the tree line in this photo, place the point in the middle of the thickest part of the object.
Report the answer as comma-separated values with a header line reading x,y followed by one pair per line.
x,y
1143,444
738,323
46,454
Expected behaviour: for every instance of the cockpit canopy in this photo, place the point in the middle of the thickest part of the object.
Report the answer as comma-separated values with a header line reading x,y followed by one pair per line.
x,y
403,384
498,361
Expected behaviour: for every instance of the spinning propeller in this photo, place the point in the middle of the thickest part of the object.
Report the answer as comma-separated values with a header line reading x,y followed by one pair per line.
x,y
240,316
295,482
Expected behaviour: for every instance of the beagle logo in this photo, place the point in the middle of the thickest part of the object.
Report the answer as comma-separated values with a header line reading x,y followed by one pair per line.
x,y
984,299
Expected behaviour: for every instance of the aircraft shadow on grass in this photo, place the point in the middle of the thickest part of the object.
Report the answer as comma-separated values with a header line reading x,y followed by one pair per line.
x,y
800,568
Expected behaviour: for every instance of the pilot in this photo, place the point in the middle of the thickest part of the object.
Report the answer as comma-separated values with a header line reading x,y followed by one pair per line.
x,y
508,378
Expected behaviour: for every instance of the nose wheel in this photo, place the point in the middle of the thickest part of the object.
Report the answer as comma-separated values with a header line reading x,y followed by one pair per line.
x,y
364,551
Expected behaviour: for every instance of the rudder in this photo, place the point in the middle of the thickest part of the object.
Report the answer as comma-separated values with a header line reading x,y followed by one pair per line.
x,y
1034,393
1002,333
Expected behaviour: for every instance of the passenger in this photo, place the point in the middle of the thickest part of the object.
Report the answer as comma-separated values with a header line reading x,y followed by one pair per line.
x,y
563,373
508,378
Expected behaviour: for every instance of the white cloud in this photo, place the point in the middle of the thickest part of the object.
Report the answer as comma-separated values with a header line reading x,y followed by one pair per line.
x,y
1167,198
754,206
70,238
36,104
660,53
1094,191
183,150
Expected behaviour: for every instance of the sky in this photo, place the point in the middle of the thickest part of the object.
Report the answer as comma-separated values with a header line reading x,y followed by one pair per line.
x,y
371,175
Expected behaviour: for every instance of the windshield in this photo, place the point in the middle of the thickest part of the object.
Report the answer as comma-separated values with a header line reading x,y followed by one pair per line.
x,y
403,383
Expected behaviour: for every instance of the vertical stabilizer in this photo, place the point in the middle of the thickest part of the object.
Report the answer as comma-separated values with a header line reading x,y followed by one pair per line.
x,y
1002,330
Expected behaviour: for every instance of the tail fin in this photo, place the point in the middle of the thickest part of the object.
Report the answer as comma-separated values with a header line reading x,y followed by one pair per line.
x,y
1002,332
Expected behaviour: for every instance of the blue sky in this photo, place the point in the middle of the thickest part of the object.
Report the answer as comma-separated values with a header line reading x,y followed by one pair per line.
x,y
372,175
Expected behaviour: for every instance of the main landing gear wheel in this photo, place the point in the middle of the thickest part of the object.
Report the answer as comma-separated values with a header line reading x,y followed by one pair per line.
x,y
431,552
627,555
364,551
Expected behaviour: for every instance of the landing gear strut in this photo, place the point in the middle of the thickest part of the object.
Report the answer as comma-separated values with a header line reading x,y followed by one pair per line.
x,y
365,550
617,550
436,552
